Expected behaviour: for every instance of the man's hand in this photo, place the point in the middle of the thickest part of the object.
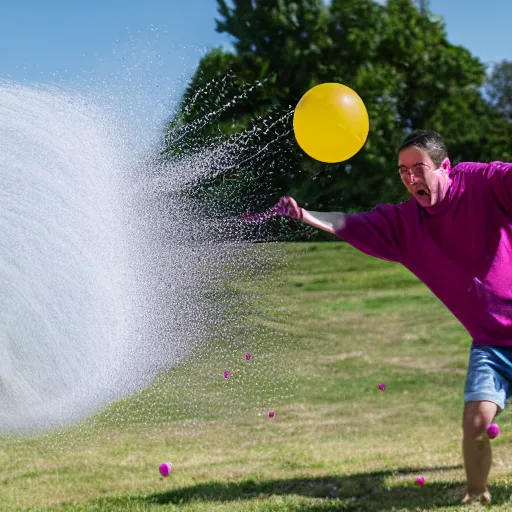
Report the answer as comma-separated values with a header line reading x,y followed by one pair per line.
x,y
331,222
288,207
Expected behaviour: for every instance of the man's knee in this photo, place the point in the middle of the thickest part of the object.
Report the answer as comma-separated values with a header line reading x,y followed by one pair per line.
x,y
477,417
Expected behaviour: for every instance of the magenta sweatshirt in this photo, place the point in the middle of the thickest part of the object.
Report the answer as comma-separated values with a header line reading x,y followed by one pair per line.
x,y
461,248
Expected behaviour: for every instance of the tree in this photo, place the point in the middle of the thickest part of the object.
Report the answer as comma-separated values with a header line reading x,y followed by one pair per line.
x,y
396,56
499,88
423,6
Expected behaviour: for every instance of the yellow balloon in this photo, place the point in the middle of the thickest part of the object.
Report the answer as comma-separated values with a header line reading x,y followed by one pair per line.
x,y
331,122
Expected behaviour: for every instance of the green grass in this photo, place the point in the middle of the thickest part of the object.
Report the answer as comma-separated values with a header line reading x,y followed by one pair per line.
x,y
333,326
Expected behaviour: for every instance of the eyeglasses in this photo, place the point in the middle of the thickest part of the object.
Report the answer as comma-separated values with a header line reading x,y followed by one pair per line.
x,y
418,168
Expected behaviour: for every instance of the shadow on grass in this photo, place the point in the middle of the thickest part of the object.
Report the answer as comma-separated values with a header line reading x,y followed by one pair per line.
x,y
350,493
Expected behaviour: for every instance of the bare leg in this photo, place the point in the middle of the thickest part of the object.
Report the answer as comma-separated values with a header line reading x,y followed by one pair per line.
x,y
477,448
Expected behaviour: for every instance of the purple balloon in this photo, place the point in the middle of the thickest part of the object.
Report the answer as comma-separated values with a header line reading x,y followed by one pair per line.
x,y
420,480
165,468
493,431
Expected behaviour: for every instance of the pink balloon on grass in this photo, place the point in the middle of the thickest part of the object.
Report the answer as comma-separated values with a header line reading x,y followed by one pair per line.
x,y
382,387
248,357
420,480
271,414
165,469
226,374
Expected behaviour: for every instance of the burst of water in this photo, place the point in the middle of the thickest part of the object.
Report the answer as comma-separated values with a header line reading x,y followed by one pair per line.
x,y
111,272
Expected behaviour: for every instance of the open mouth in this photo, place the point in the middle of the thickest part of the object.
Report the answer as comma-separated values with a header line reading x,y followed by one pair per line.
x,y
423,196
421,190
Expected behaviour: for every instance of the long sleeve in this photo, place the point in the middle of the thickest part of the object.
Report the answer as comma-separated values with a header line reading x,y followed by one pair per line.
x,y
375,233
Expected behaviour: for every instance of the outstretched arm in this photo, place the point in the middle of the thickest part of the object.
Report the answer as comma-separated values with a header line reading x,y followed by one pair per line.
x,y
377,233
328,221
332,222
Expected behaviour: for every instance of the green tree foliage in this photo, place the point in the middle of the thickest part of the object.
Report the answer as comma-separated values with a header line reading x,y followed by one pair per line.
x,y
396,56
423,6
499,88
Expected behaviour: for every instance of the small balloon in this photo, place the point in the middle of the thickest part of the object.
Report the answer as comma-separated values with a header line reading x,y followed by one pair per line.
x,y
493,430
382,387
271,414
226,374
420,480
165,469
248,357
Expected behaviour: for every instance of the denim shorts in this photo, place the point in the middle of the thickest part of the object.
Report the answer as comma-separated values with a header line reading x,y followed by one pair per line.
x,y
489,375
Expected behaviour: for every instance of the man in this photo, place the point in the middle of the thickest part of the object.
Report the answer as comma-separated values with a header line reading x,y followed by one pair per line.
x,y
455,235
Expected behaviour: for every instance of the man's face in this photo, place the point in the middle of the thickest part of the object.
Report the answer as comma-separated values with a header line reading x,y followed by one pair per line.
x,y
419,175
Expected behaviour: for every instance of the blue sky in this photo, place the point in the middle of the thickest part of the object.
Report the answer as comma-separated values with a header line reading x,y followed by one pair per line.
x,y
482,26
70,37
65,37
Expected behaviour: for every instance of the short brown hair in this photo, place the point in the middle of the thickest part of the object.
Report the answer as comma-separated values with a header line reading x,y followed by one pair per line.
x,y
429,141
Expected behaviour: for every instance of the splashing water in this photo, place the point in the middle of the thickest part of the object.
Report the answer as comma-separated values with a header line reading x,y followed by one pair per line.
x,y
61,308
110,272
72,332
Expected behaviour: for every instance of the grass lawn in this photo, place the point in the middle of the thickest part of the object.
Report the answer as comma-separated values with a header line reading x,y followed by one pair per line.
x,y
334,325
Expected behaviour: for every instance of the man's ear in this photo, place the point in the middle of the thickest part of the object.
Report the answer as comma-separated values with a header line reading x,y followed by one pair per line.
x,y
446,165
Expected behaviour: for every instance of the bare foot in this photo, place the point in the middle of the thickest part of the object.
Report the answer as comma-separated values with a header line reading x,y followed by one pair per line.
x,y
482,497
